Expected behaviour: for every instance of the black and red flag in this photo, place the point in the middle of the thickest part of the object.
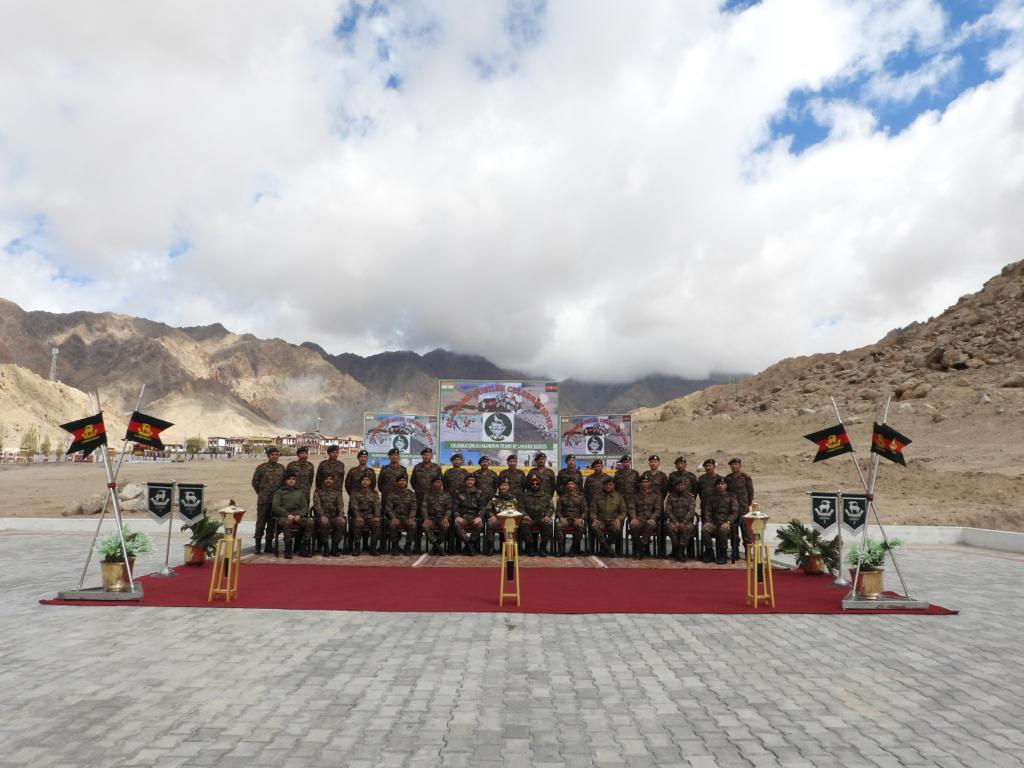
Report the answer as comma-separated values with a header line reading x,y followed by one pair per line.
x,y
89,434
146,430
831,442
888,443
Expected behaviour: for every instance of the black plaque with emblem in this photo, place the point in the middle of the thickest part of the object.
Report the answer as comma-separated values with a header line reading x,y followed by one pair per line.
x,y
159,498
824,511
190,502
855,512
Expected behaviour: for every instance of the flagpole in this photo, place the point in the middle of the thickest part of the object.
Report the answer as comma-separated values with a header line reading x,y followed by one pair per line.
x,y
166,570
867,492
103,512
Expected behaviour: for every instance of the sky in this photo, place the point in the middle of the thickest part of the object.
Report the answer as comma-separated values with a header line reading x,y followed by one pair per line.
x,y
583,188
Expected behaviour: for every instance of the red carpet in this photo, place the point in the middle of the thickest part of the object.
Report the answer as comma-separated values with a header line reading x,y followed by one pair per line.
x,y
545,590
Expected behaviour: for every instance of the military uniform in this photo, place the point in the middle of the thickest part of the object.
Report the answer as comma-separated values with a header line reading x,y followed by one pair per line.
x,y
501,502
468,522
364,509
487,483
354,479
547,479
659,481
571,512
718,511
741,486
607,510
537,511
401,511
706,487
627,483
268,477
292,501
331,467
565,475
645,525
437,510
687,476
455,480
680,511
593,485
516,480
303,471
423,475
330,520
387,481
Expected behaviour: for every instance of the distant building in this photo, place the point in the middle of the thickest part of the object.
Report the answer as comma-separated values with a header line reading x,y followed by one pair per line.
x,y
317,443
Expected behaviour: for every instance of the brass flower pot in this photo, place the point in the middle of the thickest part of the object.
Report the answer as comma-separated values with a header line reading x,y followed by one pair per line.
x,y
194,555
115,575
813,565
869,585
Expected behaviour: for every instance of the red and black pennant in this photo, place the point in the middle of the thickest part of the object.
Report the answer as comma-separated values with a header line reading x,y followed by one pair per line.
x,y
88,433
888,443
831,442
146,430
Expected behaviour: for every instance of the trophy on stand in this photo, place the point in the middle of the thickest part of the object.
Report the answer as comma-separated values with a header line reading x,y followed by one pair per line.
x,y
759,564
509,555
228,557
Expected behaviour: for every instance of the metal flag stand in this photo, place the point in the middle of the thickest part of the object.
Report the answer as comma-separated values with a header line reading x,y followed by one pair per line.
x,y
853,601
167,571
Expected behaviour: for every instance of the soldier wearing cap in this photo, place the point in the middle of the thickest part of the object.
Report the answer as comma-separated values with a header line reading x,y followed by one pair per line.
x,y
290,515
537,513
607,511
659,480
740,485
681,472
329,517
514,476
680,511
401,513
570,513
331,466
644,524
486,480
706,483
387,478
354,478
437,512
569,473
364,509
718,511
455,477
468,522
627,483
422,481
268,477
303,470
502,501
546,474
595,481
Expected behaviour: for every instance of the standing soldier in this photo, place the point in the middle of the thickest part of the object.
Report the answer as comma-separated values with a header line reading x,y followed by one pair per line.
x,y
437,511
648,513
595,481
514,476
290,513
364,509
682,472
740,485
455,477
268,477
659,480
502,501
387,479
706,483
329,511
627,483
331,466
537,511
544,472
607,511
401,512
303,470
468,523
486,481
569,473
718,511
423,475
570,513
679,513
354,478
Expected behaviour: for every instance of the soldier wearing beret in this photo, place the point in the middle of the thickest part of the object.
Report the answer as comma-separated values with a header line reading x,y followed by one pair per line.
x,y
486,480
607,512
706,483
468,522
717,513
659,480
303,470
514,476
644,525
681,472
595,481
437,512
570,514
329,517
455,477
291,516
401,513
627,483
740,485
387,478
268,477
422,480
569,473
364,509
354,478
680,512
331,466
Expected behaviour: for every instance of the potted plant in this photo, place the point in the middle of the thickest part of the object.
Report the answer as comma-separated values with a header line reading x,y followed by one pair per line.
x,y
813,553
205,535
871,557
115,574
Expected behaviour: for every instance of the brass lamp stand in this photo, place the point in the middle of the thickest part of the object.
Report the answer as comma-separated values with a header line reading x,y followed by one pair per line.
x,y
509,556
228,558
759,564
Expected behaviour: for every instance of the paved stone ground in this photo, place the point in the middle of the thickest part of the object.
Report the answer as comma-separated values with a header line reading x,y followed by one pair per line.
x,y
154,686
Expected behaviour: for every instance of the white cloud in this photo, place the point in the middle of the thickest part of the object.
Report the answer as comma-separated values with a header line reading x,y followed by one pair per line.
x,y
605,201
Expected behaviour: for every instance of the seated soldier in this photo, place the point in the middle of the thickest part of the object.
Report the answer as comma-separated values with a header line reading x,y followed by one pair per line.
x,y
437,511
401,513
607,511
718,511
468,522
644,525
570,515
364,509
679,518
329,516
503,501
290,513
537,511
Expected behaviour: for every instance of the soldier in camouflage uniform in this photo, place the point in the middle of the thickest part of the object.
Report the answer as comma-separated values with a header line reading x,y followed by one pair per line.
x,y
387,478
679,515
740,485
503,500
364,509
544,472
354,478
537,511
718,511
303,470
401,512
706,483
627,483
569,473
329,511
268,477
682,472
644,526
468,522
422,479
455,477
437,512
486,480
595,481
571,513
659,480
515,477
291,516
331,466
607,511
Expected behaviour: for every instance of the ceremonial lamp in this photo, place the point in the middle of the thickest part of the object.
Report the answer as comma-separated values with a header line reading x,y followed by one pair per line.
x,y
228,557
509,518
759,564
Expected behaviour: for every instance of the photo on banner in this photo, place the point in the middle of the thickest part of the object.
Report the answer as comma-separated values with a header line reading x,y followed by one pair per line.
x,y
607,437
409,433
497,419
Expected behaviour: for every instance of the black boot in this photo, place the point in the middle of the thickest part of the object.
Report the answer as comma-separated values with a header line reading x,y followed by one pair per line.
x,y
271,546
709,556
721,559
355,547
288,549
307,548
259,545
542,550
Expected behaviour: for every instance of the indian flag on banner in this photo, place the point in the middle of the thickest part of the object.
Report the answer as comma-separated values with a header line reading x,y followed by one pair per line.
x,y
447,386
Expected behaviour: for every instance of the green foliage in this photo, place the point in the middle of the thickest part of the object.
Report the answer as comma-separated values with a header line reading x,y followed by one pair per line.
x,y
30,441
46,447
193,445
804,543
205,534
872,555
136,542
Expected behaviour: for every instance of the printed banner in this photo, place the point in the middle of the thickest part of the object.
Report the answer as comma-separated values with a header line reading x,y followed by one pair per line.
x,y
855,512
607,438
497,419
409,434
159,497
824,511
190,502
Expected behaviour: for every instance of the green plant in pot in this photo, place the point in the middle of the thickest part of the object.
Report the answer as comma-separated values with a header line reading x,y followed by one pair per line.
x,y
812,552
115,574
205,535
870,556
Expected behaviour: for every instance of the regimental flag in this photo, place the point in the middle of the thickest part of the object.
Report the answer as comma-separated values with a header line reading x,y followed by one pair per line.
x,y
88,433
888,443
146,430
824,511
831,442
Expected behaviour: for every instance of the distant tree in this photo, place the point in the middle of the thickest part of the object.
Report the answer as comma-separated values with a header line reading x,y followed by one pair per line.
x,y
193,445
46,446
247,448
30,442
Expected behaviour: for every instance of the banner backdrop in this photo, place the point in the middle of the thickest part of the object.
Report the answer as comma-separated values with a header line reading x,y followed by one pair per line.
x,y
409,434
497,418
608,438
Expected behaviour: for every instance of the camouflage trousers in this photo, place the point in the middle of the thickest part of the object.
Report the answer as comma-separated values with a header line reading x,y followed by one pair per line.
x,y
398,524
331,527
527,533
469,528
303,527
574,525
264,519
607,533
371,524
436,529
680,534
643,530
717,531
